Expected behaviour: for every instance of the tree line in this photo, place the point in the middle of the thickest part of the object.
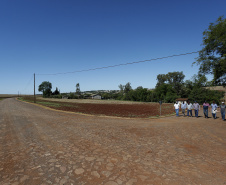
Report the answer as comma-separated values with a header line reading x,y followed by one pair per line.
x,y
171,86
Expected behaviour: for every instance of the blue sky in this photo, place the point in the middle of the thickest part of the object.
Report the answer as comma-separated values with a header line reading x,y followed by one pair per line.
x,y
56,36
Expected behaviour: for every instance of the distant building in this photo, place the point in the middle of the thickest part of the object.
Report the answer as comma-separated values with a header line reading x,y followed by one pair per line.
x,y
180,100
96,97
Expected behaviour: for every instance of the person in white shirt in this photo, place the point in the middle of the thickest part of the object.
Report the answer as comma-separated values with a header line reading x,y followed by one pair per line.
x,y
177,106
214,109
183,107
189,107
196,108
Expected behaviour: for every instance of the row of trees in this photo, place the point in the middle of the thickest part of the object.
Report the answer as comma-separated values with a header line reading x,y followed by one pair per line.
x,y
46,89
171,86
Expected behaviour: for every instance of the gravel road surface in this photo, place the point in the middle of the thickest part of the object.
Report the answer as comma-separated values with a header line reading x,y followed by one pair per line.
x,y
41,146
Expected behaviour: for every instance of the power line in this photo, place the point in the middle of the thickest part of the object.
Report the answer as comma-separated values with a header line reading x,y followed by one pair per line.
x,y
29,83
117,65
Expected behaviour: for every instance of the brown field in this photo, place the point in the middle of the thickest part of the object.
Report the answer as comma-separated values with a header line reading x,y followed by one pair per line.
x,y
106,107
3,96
8,95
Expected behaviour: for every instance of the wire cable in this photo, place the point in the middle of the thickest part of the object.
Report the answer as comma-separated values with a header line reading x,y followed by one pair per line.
x,y
28,84
117,65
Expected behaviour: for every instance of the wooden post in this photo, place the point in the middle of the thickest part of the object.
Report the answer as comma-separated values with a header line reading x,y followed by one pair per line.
x,y
34,89
160,103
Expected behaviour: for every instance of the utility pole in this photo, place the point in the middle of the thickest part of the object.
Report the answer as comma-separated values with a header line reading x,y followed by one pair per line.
x,y
34,89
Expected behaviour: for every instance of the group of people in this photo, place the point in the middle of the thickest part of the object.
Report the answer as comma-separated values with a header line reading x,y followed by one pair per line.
x,y
196,107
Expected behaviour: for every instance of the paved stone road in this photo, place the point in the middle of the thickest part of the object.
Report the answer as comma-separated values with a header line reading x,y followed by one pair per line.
x,y
39,146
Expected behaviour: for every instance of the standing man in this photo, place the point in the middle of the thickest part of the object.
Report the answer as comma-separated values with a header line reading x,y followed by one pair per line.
x,y
183,107
197,108
177,106
222,107
205,109
189,107
214,110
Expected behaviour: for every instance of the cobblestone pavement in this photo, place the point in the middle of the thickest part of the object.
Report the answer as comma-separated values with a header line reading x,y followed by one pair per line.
x,y
39,146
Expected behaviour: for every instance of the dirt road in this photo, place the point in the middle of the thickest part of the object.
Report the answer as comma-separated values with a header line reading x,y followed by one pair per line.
x,y
39,146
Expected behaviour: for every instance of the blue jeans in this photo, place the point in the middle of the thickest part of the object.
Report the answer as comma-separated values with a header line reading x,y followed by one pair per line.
x,y
205,111
223,115
177,112
189,111
214,115
196,113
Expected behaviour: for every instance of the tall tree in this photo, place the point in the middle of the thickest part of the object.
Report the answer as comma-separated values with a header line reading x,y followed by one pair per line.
x,y
56,92
175,79
78,92
161,79
212,58
127,87
45,87
121,87
199,80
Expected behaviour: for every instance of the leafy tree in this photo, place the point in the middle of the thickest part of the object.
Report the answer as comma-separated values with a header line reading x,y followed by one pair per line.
x,y
121,87
106,95
199,80
78,92
197,92
175,79
45,87
188,86
56,92
212,58
161,91
170,96
142,94
124,91
127,87
161,79
201,94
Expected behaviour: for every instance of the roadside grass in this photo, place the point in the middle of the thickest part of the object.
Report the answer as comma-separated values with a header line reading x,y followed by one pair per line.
x,y
39,102
51,104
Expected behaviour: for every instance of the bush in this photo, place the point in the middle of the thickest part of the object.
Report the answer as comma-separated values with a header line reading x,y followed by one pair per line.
x,y
56,96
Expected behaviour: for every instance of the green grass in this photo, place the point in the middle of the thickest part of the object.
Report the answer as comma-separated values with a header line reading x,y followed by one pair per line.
x,y
23,99
45,103
41,102
52,104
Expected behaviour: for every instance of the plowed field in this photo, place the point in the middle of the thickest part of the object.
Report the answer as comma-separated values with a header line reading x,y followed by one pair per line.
x,y
118,109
